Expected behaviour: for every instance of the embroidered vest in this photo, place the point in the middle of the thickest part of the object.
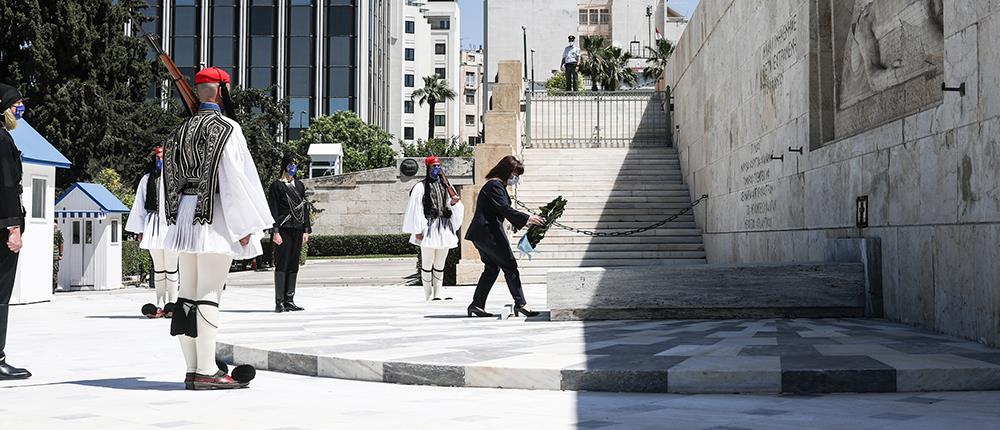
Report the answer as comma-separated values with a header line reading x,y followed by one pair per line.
x,y
191,164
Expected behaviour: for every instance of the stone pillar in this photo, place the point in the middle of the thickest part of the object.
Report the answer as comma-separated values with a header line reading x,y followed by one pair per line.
x,y
503,125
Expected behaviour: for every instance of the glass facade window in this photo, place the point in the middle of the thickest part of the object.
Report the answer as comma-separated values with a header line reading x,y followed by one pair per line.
x,y
408,133
440,49
38,187
408,106
185,44
340,60
408,81
411,27
470,98
223,28
439,120
440,24
409,54
263,43
441,72
470,120
301,59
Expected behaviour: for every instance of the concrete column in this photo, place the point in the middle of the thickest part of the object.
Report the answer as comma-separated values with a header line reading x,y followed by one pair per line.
x,y
503,124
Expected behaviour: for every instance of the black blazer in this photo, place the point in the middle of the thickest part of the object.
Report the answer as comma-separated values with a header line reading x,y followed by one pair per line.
x,y
11,211
279,195
492,207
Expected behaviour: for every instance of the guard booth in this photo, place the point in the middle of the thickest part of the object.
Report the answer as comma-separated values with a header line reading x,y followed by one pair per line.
x,y
327,159
90,218
33,282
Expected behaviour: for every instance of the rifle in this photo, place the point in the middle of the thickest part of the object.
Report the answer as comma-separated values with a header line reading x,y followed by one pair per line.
x,y
183,87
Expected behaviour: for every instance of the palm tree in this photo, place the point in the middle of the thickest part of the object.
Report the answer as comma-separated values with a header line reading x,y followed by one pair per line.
x,y
591,66
615,71
657,60
435,91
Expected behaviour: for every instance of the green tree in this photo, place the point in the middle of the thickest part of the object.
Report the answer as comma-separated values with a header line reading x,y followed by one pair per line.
x,y
261,116
615,71
435,91
110,179
86,80
592,65
657,59
556,84
365,146
439,147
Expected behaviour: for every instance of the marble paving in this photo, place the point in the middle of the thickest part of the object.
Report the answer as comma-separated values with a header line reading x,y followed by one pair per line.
x,y
390,334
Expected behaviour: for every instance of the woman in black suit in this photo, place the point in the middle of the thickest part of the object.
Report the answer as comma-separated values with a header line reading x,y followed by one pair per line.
x,y
487,233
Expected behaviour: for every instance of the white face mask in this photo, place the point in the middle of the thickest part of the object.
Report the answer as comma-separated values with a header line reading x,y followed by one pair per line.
x,y
514,180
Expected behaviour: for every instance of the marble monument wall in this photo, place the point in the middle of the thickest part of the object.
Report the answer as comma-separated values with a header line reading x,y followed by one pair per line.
x,y
792,114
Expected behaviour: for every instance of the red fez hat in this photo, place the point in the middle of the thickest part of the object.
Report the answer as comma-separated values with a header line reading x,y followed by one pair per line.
x,y
158,151
431,160
211,75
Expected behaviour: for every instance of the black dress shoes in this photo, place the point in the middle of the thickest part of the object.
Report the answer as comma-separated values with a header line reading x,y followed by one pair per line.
x,y
523,310
279,308
478,312
10,372
290,306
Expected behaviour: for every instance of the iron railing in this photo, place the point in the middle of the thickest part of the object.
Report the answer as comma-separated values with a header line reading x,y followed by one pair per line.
x,y
589,119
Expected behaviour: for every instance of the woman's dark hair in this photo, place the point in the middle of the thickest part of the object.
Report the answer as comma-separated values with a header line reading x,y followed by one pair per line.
x,y
507,167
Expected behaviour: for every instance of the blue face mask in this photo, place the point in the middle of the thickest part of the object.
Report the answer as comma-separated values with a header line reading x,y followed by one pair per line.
x,y
18,112
292,170
435,172
159,164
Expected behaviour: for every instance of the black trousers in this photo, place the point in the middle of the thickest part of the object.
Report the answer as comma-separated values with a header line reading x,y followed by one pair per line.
x,y
286,263
572,77
8,268
497,257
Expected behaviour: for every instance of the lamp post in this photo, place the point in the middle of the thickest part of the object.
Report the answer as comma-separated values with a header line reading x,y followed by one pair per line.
x,y
524,38
649,24
532,70
301,112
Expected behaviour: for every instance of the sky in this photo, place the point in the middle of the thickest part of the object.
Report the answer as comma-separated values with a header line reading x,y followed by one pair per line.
x,y
472,18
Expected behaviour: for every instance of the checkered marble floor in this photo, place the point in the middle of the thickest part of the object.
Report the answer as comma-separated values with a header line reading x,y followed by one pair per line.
x,y
392,335
99,365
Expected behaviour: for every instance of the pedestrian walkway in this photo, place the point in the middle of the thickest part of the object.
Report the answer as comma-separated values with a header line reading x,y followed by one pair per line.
x,y
98,365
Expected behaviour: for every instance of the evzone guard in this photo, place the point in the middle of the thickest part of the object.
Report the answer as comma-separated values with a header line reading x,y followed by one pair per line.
x,y
150,224
216,212
433,217
290,210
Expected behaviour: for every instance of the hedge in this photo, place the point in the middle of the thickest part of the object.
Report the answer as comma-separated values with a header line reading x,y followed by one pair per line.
x,y
336,246
135,261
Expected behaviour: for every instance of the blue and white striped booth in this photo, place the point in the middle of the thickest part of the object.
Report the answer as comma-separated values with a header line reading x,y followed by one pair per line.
x,y
90,218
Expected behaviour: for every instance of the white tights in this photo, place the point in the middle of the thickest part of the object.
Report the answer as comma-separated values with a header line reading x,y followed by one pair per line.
x,y
202,278
432,270
164,276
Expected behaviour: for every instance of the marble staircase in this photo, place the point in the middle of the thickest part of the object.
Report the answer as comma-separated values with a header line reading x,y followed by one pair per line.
x,y
609,189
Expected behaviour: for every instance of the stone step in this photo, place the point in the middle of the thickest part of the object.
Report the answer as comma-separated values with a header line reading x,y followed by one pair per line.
x,y
551,187
597,212
609,195
608,262
626,225
666,231
546,257
564,160
608,151
642,239
547,246
612,207
614,178
661,190
572,218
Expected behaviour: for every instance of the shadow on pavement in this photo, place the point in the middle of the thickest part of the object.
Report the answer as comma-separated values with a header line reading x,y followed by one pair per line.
x,y
132,383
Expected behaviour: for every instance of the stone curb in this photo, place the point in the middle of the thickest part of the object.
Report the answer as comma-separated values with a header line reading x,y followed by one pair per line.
x,y
713,375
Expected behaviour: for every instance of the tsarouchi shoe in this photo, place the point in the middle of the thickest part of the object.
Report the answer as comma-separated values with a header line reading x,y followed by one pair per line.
x,y
219,381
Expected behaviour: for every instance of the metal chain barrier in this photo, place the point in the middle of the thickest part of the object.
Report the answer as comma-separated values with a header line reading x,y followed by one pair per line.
x,y
618,233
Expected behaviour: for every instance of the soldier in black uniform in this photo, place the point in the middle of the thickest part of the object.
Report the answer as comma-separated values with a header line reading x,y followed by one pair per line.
x,y
290,210
11,217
